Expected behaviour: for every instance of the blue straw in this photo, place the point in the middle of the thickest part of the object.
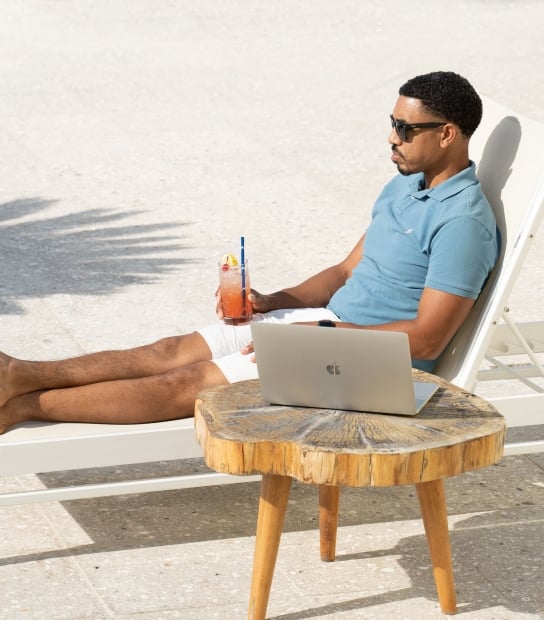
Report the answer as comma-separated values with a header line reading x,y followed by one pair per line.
x,y
243,263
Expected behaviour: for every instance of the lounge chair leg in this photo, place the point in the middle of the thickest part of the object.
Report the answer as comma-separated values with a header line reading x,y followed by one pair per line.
x,y
329,498
432,501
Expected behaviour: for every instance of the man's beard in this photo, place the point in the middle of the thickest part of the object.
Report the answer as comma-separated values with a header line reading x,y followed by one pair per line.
x,y
405,172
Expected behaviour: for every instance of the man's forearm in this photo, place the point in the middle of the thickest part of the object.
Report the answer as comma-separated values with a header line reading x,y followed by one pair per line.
x,y
315,292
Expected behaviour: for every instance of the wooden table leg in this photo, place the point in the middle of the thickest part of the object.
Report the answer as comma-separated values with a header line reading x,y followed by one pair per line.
x,y
432,501
272,505
329,498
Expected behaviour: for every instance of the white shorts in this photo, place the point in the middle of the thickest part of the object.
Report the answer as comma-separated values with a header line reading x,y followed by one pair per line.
x,y
225,341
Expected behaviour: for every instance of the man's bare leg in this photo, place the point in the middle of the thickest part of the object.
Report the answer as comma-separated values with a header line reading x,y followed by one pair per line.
x,y
19,377
162,396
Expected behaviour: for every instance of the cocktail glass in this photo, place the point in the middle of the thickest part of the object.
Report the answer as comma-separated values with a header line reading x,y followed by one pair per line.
x,y
234,286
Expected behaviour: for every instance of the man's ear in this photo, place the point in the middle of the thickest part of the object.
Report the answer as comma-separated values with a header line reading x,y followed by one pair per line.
x,y
449,133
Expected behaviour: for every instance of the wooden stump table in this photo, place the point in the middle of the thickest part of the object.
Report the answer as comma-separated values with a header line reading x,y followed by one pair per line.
x,y
241,434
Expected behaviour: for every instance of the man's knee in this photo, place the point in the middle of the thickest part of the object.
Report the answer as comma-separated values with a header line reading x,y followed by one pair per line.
x,y
175,390
183,349
191,378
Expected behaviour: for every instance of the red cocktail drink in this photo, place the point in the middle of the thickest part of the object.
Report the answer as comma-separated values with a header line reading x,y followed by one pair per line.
x,y
234,285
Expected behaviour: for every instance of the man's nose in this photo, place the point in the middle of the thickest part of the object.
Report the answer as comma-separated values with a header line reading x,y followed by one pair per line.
x,y
394,137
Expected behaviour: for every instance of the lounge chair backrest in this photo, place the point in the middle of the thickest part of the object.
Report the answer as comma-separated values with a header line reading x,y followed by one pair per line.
x,y
508,151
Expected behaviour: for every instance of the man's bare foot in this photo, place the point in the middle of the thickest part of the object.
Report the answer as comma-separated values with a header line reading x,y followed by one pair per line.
x,y
14,398
6,391
3,427
10,413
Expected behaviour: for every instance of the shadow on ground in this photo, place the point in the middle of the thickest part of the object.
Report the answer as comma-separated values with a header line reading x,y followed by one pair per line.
x,y
496,561
499,538
86,253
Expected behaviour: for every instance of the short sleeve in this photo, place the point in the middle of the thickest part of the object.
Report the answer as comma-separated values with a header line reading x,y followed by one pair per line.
x,y
462,254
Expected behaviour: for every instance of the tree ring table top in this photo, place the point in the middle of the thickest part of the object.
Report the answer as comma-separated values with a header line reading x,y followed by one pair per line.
x,y
241,434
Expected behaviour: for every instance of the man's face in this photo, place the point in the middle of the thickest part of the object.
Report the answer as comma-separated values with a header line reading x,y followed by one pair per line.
x,y
420,151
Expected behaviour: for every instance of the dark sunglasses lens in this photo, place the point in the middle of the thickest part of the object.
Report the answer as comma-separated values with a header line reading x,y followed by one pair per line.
x,y
394,125
400,128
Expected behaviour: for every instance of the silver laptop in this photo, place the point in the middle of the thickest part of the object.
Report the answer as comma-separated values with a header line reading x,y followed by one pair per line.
x,y
336,368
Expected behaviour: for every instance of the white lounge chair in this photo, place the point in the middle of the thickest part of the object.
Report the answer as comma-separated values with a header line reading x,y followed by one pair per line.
x,y
490,345
511,173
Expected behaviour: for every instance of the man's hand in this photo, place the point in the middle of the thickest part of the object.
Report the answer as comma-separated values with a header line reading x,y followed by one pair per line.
x,y
248,350
259,302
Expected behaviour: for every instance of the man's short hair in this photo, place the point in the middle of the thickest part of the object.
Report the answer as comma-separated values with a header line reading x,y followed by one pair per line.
x,y
447,95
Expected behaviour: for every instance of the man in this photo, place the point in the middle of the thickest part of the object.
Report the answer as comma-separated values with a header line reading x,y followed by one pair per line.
x,y
418,269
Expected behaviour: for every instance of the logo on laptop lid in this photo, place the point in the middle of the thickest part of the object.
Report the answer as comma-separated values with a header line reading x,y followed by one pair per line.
x,y
333,369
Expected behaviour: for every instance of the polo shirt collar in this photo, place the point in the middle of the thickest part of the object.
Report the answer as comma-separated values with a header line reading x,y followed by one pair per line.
x,y
448,188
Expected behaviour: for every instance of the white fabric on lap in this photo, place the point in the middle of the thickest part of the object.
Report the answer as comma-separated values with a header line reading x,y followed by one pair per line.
x,y
225,341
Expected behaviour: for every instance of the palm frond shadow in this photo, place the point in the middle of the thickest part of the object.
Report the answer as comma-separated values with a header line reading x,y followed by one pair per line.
x,y
94,252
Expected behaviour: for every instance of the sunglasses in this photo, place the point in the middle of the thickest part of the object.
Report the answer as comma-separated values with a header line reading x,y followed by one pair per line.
x,y
402,128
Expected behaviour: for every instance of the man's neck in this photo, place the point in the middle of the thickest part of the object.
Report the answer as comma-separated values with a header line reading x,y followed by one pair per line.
x,y
432,179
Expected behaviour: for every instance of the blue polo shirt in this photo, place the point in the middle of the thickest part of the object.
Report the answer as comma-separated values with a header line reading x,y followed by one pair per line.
x,y
443,238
